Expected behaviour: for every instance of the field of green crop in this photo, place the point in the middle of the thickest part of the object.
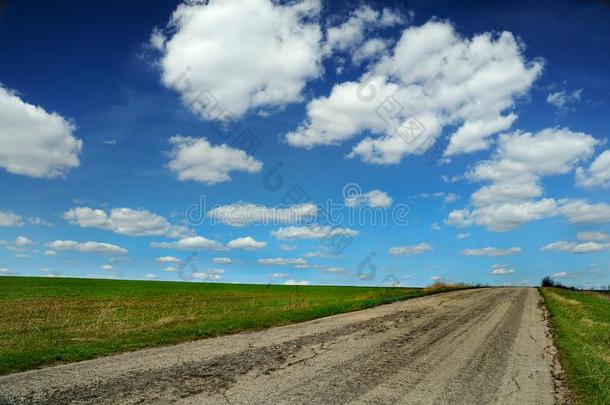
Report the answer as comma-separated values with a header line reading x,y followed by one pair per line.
x,y
46,321
581,322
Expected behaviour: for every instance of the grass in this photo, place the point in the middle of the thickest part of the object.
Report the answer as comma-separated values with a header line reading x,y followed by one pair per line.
x,y
45,321
581,323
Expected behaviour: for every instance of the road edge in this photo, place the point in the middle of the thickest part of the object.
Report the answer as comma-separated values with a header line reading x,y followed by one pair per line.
x,y
563,395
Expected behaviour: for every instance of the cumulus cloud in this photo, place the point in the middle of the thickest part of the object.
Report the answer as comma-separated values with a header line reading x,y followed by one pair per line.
x,y
563,274
448,198
168,259
22,241
296,282
49,252
210,275
410,249
370,49
574,247
6,272
581,212
198,160
243,214
503,217
374,199
246,243
87,247
432,79
190,243
39,221
312,232
563,99
351,34
514,174
204,59
597,175
501,269
222,260
281,261
461,236
34,142
125,221
592,236
11,219
491,251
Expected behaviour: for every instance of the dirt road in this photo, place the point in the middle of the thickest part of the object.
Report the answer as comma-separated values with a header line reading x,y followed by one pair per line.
x,y
465,347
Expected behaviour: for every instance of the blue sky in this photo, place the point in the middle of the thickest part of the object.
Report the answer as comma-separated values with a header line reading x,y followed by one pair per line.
x,y
479,131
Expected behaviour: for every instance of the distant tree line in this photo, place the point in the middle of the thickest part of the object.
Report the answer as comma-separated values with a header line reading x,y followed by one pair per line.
x,y
549,282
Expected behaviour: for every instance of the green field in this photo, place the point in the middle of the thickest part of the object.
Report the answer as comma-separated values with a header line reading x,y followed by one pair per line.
x,y
581,322
46,321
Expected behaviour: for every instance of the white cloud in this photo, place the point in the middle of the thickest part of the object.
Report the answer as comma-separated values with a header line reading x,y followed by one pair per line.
x,y
448,198
491,251
597,175
246,243
435,227
562,99
39,221
288,248
474,135
198,160
582,212
503,217
11,219
205,52
21,256
573,247
437,77
125,221
501,269
243,214
373,199
49,252
521,159
190,243
331,269
222,260
150,276
514,174
295,282
281,261
87,247
107,267
168,259
170,269
6,272
370,49
462,236
312,232
410,249
22,241
280,275
592,236
210,275
34,142
563,274
350,35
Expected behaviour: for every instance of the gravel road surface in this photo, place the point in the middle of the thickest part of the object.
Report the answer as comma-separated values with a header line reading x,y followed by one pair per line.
x,y
480,346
